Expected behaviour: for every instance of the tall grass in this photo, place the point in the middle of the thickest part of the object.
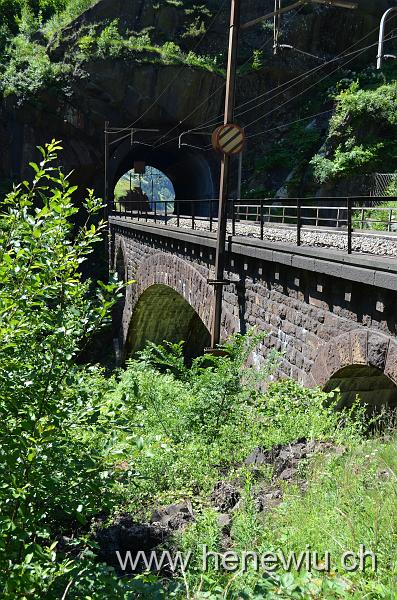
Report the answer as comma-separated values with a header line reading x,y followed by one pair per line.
x,y
60,20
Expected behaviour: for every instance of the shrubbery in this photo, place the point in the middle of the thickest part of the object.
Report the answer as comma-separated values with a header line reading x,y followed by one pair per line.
x,y
362,133
52,481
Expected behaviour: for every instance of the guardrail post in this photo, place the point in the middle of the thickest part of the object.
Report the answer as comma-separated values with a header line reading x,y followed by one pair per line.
x,y
349,225
210,202
233,217
165,212
178,210
298,222
193,215
261,218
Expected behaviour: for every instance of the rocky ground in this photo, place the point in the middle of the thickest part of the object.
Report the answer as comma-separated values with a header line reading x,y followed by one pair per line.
x,y
271,471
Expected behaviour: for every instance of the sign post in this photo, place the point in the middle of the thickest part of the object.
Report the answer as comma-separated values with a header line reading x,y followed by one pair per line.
x,y
219,281
230,139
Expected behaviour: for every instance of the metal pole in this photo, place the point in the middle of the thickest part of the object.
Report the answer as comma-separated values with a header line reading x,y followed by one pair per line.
x,y
382,37
349,225
298,222
276,25
224,177
240,175
106,168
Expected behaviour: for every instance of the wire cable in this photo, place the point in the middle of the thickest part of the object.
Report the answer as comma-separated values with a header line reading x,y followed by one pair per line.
x,y
296,79
357,53
324,112
209,97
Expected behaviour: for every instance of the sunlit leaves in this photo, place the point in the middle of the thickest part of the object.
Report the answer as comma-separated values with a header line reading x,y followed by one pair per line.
x,y
47,315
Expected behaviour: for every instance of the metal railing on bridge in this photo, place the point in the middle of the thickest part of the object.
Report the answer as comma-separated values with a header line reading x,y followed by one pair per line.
x,y
252,217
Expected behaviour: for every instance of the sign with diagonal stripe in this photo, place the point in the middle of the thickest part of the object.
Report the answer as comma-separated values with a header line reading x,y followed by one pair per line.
x,y
229,139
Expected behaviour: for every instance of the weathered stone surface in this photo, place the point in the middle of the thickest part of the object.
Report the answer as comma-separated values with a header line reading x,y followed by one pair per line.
x,y
225,495
391,362
377,350
315,344
173,517
359,341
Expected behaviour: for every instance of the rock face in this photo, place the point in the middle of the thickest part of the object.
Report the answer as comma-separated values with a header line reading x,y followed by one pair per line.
x,y
121,90
124,535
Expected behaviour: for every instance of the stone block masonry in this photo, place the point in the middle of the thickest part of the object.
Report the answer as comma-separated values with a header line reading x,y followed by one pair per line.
x,y
322,311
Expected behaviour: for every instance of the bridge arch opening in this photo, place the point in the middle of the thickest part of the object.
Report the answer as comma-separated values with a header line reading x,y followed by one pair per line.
x,y
370,384
163,314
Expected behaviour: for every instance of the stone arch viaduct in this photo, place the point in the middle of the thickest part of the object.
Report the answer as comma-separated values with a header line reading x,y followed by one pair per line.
x,y
333,317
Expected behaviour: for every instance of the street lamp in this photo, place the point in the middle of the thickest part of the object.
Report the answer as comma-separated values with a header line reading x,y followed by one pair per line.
x,y
381,56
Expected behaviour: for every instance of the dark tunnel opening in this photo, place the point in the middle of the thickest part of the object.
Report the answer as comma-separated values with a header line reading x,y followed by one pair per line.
x,y
193,173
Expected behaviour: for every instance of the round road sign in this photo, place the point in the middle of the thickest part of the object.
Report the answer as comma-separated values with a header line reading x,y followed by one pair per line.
x,y
229,139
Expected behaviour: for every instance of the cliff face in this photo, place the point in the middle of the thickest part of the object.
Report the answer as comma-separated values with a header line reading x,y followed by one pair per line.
x,y
121,89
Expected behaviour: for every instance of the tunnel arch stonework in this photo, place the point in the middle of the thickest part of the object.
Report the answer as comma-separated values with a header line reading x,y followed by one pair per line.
x,y
323,316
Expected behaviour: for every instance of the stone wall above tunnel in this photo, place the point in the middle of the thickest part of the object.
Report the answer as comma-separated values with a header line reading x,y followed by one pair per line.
x,y
122,89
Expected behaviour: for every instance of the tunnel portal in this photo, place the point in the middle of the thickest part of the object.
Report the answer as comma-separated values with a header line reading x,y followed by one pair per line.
x,y
193,172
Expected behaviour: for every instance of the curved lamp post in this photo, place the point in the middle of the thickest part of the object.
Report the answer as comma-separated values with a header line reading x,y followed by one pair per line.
x,y
381,56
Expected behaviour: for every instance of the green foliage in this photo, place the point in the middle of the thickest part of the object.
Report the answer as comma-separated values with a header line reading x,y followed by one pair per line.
x,y
200,422
377,218
257,60
51,478
29,69
66,12
26,66
350,501
197,420
111,43
11,11
362,133
297,144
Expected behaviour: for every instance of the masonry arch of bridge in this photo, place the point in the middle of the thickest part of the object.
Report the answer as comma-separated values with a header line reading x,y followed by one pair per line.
x,y
360,363
192,172
163,314
171,301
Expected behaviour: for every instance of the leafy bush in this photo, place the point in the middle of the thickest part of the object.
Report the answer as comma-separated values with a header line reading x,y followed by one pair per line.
x,y
110,41
52,480
71,9
376,218
362,133
11,11
29,69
